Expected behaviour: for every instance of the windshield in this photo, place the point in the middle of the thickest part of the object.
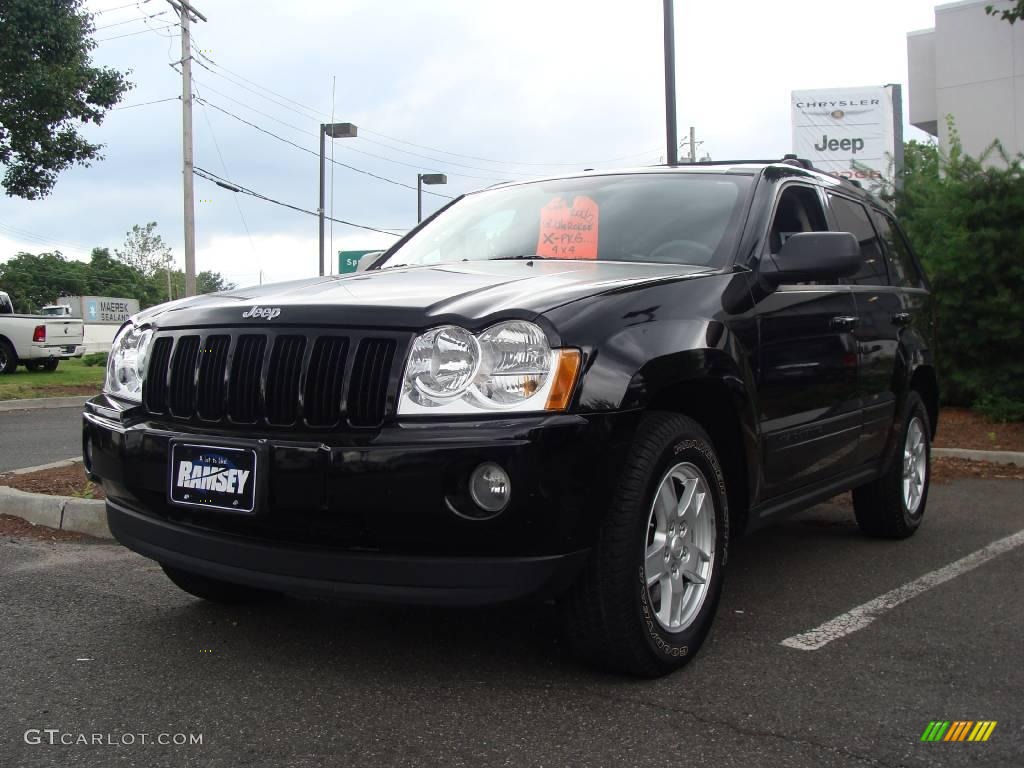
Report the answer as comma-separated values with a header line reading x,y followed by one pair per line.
x,y
671,218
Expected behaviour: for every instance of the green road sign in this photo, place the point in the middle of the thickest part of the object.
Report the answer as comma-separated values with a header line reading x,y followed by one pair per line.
x,y
349,260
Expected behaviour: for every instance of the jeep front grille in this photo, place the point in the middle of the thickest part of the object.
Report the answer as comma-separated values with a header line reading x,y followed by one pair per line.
x,y
283,378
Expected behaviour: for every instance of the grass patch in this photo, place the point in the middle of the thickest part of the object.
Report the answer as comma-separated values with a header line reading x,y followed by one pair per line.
x,y
72,377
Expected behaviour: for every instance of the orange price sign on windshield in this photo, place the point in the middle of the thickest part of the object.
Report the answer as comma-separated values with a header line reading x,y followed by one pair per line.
x,y
569,231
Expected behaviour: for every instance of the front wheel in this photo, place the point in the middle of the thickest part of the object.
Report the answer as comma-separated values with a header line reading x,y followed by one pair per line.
x,y
892,506
647,598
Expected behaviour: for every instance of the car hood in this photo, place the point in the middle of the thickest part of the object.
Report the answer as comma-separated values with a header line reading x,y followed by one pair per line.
x,y
469,294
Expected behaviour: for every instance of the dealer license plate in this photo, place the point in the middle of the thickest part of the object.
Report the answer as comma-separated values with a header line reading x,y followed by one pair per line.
x,y
213,477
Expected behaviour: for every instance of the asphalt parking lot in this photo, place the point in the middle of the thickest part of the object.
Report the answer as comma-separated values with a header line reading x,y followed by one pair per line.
x,y
39,436
97,641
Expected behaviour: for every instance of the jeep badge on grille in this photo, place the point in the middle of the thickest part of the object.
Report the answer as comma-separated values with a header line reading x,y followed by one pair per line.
x,y
266,313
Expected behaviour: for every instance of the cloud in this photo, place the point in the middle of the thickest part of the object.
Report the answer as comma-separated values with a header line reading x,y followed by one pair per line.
x,y
464,82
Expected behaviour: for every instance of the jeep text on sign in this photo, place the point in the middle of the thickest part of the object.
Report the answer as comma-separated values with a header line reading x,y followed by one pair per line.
x,y
847,132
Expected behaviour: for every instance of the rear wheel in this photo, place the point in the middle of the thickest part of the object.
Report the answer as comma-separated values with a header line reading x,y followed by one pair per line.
x,y
892,506
647,598
215,590
42,365
8,358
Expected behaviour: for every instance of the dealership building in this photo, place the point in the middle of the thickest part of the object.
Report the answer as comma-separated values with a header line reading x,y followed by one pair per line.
x,y
970,66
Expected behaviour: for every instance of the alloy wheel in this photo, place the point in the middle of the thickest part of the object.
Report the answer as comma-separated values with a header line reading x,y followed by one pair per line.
x,y
680,546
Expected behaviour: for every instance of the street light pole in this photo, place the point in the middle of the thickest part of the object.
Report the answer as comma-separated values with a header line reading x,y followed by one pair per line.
x,y
320,207
426,178
335,131
671,142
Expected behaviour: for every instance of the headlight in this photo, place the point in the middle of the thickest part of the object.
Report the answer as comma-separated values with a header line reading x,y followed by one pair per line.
x,y
508,367
126,366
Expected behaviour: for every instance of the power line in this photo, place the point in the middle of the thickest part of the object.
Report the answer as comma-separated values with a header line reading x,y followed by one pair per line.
x,y
310,151
147,103
224,165
257,93
319,116
220,181
140,32
502,162
136,4
130,21
418,167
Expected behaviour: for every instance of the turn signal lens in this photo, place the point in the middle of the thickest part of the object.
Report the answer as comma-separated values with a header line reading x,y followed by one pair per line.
x,y
565,378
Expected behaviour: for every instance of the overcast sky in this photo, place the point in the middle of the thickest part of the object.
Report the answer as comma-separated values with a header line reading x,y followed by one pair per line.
x,y
490,90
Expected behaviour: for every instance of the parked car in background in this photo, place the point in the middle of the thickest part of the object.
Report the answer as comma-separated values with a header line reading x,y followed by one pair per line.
x,y
577,388
56,310
39,342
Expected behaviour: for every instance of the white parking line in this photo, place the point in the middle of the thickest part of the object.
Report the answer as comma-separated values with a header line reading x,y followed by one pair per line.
x,y
862,615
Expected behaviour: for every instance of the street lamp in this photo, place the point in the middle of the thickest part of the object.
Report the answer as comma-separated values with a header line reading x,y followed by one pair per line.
x,y
426,178
335,131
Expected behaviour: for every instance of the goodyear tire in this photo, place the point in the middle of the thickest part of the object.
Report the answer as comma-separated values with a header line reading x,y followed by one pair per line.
x,y
215,590
648,595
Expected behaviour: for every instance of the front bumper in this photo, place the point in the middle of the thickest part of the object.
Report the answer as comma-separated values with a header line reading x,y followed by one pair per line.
x,y
373,515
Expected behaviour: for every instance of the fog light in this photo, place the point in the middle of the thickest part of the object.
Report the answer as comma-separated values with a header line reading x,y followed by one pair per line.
x,y
490,487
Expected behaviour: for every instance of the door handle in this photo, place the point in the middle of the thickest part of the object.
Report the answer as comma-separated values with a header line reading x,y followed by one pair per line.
x,y
902,318
843,323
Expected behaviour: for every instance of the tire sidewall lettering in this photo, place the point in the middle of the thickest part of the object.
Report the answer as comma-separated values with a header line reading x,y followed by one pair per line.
x,y
678,645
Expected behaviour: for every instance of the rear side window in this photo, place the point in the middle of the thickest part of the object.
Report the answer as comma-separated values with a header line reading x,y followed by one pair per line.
x,y
853,217
901,262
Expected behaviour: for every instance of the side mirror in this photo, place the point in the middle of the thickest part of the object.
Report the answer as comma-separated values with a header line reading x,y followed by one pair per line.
x,y
817,256
366,260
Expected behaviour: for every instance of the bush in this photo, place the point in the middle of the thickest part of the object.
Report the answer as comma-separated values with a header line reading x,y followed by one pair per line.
x,y
964,218
999,408
95,358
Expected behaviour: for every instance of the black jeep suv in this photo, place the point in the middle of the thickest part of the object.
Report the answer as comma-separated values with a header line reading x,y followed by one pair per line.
x,y
574,389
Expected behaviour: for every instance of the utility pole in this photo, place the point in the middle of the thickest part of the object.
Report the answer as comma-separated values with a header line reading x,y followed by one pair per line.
x,y
691,152
672,156
186,13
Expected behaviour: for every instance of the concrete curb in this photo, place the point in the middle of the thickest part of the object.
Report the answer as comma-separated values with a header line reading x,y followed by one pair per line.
x,y
993,457
36,403
43,467
87,516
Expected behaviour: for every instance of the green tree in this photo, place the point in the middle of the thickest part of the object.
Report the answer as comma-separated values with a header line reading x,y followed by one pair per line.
x,y
34,281
1009,14
145,251
48,87
963,216
206,282
107,276
212,282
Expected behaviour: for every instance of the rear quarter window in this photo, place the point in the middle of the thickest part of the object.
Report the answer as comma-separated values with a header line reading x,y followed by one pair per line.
x,y
902,264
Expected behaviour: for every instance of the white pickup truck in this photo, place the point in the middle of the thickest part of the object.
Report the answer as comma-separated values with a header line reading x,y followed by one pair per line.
x,y
39,342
